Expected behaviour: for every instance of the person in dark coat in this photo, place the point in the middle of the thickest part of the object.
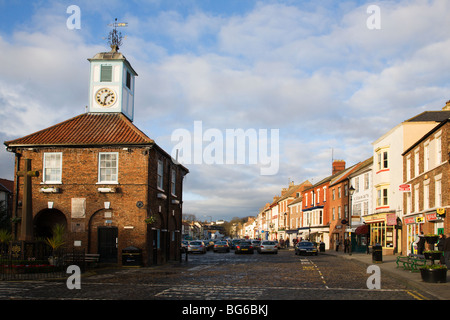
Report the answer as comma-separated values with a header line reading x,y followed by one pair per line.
x,y
440,247
421,244
447,250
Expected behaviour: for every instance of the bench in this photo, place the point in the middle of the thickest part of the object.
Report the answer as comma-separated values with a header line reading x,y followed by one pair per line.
x,y
87,257
411,262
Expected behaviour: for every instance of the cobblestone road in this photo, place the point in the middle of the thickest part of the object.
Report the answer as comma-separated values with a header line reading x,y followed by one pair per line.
x,y
225,276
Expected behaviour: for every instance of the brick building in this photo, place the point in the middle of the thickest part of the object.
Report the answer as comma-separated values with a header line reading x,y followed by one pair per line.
x,y
341,224
426,189
99,175
316,208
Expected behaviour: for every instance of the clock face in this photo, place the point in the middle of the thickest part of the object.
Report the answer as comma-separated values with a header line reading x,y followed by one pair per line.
x,y
105,97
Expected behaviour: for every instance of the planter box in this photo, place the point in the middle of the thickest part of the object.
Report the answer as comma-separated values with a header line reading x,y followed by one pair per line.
x,y
431,240
434,275
433,255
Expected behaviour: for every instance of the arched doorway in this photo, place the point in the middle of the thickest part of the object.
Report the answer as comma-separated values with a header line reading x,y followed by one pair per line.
x,y
45,220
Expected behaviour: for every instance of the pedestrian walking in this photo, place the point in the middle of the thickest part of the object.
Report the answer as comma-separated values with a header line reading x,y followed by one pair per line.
x,y
440,247
287,243
346,243
447,250
337,245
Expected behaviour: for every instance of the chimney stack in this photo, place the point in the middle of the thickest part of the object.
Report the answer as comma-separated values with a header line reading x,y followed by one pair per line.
x,y
338,165
447,106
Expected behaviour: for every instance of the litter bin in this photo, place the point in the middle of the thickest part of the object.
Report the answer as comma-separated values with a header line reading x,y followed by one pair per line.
x,y
131,257
322,247
377,253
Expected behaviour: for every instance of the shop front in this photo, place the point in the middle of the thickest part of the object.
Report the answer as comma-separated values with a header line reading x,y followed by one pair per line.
x,y
383,231
435,221
414,227
360,241
431,222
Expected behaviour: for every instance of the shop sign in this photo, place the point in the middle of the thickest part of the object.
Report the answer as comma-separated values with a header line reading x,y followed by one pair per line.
x,y
420,220
431,216
391,219
440,212
410,220
405,188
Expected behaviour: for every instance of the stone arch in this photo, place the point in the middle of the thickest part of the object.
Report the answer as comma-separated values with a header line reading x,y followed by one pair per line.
x,y
45,220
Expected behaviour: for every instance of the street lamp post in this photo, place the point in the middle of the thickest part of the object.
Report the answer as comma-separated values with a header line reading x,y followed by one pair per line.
x,y
351,190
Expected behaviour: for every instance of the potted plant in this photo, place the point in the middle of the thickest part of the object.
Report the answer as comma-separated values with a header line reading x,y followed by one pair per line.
x,y
432,254
55,242
5,238
431,238
150,220
434,273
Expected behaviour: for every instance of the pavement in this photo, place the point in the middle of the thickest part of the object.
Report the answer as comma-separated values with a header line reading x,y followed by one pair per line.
x,y
439,290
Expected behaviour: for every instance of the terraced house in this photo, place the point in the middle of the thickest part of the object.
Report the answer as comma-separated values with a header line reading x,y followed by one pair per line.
x,y
426,188
387,199
100,176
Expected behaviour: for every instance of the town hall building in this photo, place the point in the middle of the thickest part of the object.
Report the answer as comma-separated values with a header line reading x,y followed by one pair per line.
x,y
97,174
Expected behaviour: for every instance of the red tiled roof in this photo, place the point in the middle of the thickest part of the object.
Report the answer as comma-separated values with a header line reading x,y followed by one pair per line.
x,y
87,129
6,185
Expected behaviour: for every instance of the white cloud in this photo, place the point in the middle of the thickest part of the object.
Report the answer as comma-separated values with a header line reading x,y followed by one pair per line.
x,y
317,74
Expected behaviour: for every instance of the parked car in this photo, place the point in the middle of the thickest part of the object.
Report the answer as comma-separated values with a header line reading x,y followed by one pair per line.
x,y
306,247
256,243
267,246
244,247
184,245
234,242
196,246
209,244
221,246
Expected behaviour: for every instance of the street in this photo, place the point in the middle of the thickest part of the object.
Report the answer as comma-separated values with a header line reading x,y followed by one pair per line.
x,y
224,276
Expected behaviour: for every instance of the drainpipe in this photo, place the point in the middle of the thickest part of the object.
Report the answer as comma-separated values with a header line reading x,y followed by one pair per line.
x,y
16,191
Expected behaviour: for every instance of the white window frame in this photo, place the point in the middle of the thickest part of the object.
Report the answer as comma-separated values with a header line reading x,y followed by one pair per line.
x,y
416,198
383,196
408,167
426,194
173,181
45,168
383,159
408,203
160,175
100,168
416,163
438,191
426,157
438,143
366,181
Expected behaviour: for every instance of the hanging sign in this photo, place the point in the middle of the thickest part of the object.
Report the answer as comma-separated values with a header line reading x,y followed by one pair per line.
x,y
405,188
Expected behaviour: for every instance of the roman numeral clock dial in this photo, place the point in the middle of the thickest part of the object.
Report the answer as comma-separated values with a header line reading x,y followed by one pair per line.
x,y
105,97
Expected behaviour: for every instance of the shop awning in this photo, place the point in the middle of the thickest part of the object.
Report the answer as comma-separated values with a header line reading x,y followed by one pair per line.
x,y
364,229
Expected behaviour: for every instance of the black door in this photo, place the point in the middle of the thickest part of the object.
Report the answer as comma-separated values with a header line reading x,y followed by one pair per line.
x,y
156,245
107,244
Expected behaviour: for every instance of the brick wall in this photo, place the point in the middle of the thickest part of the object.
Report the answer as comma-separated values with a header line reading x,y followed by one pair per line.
x,y
137,175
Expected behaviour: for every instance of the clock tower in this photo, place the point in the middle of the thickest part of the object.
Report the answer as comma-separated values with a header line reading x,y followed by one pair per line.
x,y
111,83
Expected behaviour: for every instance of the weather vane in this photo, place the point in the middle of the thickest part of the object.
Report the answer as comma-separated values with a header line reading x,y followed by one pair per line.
x,y
115,37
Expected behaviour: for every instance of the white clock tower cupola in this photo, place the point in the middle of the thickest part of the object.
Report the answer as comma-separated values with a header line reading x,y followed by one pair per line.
x,y
111,83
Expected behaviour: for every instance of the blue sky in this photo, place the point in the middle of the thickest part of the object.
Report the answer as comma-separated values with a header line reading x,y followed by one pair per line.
x,y
311,69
